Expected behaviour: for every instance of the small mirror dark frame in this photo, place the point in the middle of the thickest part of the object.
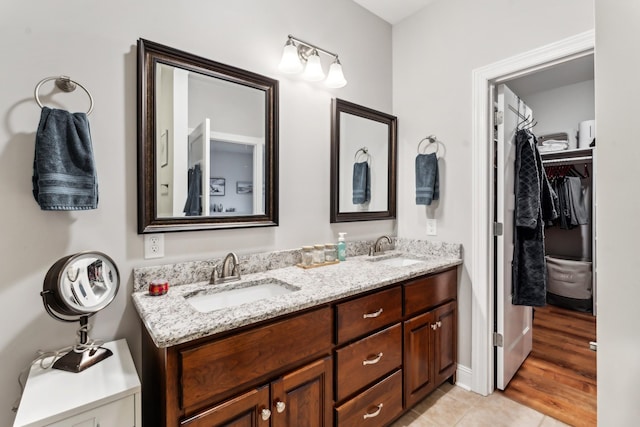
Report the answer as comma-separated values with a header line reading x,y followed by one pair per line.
x,y
340,106
150,54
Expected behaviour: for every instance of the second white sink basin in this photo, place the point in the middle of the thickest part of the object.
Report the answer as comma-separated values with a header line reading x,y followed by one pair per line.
x,y
400,261
211,299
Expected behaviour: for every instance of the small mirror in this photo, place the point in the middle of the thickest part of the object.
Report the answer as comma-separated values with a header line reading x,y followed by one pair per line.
x,y
363,163
207,143
75,288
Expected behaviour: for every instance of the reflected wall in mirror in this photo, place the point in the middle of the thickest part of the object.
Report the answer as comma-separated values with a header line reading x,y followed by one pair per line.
x,y
363,163
201,123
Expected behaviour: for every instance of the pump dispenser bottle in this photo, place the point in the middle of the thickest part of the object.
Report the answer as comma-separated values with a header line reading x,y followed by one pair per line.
x,y
342,247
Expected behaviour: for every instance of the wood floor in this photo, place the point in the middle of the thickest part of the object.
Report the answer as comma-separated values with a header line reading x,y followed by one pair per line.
x,y
559,376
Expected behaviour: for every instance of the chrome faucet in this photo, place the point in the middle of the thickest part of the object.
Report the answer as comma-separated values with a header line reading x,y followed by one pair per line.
x,y
376,249
230,270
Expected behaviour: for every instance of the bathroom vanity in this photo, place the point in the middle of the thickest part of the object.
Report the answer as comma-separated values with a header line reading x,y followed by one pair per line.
x,y
358,343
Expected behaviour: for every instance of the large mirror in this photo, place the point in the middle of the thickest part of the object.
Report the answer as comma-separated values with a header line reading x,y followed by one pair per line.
x,y
363,163
207,143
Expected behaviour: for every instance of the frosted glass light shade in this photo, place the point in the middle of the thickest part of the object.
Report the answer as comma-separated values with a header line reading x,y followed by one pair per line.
x,y
335,79
313,70
290,62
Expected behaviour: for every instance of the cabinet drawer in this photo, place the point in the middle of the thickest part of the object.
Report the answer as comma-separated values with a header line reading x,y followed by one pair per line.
x,y
366,360
431,291
360,316
216,368
375,406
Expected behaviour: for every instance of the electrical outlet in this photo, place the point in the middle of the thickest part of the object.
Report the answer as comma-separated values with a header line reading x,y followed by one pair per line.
x,y
153,246
432,227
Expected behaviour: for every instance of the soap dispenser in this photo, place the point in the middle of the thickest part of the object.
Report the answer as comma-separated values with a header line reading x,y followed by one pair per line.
x,y
342,247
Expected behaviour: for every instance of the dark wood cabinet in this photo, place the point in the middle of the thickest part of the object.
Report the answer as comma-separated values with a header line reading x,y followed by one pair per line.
x,y
303,397
360,361
250,409
430,335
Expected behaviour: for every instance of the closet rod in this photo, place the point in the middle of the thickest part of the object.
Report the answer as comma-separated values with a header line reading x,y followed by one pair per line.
x,y
568,160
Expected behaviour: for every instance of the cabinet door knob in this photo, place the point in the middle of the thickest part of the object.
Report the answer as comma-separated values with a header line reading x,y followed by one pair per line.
x,y
280,406
439,323
265,414
373,360
434,326
374,413
374,314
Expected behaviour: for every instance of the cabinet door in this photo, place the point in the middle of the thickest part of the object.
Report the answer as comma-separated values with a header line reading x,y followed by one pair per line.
x,y
418,358
445,342
118,413
302,398
250,409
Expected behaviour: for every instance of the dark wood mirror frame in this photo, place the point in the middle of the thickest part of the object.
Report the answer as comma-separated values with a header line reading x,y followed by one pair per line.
x,y
340,106
150,54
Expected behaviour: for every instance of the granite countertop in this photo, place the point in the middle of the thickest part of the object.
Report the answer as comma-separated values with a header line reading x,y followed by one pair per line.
x,y
171,320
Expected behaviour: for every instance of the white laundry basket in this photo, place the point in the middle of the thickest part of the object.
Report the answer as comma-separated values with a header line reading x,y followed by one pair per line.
x,y
569,283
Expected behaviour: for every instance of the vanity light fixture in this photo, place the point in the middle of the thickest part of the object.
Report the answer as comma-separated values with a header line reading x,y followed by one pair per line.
x,y
298,52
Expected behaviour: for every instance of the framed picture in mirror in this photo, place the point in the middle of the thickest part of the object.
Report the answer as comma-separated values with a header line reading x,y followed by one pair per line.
x,y
244,187
216,186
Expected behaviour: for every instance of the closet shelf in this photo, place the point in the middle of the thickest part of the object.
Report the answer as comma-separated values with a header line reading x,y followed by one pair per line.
x,y
580,155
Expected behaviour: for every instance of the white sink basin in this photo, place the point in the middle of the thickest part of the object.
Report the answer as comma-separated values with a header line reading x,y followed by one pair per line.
x,y
242,293
400,261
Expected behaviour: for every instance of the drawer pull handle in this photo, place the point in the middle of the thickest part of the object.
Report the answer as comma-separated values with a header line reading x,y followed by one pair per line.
x,y
265,414
280,406
374,413
374,314
372,361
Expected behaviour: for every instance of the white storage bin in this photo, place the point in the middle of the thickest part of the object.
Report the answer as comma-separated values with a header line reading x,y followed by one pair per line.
x,y
569,283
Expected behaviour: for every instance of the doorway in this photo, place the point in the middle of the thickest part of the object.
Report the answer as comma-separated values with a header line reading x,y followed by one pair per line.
x,y
545,361
485,80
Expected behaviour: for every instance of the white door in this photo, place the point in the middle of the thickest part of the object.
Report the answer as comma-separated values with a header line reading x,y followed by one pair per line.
x,y
199,153
513,323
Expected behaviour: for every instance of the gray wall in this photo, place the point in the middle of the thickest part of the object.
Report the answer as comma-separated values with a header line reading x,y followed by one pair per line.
x,y
617,94
95,43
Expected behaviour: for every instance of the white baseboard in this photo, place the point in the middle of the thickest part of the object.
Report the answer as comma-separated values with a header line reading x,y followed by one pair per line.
x,y
463,377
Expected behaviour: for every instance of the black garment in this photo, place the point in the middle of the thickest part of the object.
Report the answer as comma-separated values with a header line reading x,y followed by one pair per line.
x,y
535,203
193,205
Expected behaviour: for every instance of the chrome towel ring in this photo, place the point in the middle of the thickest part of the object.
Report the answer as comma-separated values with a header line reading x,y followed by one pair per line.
x,y
65,84
432,140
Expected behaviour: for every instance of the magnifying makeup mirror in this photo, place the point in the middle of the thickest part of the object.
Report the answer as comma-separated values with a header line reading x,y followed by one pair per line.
x,y
75,288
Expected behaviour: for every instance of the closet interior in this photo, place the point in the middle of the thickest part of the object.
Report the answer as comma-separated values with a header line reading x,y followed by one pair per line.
x,y
563,103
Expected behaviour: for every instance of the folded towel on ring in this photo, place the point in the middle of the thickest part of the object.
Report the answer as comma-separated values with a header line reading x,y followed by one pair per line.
x,y
427,179
64,172
361,183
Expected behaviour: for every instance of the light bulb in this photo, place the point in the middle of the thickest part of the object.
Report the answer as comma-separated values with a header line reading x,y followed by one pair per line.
x,y
335,79
290,62
313,70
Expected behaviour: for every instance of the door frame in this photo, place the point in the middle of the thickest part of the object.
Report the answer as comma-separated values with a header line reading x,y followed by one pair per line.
x,y
482,274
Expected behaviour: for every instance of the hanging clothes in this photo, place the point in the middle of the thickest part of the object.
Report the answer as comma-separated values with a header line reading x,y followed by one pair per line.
x,y
193,204
536,203
573,203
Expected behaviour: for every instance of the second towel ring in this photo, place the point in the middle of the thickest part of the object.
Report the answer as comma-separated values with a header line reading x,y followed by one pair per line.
x,y
65,84
432,139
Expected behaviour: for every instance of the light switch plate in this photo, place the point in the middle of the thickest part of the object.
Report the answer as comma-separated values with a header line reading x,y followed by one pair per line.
x,y
153,246
432,227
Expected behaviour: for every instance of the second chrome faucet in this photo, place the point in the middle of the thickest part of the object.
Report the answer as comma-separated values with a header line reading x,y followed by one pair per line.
x,y
377,249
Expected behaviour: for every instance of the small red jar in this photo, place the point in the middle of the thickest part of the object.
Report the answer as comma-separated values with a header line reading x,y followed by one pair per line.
x,y
158,287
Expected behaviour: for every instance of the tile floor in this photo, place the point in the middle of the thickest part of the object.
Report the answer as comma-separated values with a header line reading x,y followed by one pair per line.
x,y
454,406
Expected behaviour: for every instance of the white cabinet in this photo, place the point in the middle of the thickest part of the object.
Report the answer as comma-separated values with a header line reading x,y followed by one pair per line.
x,y
104,395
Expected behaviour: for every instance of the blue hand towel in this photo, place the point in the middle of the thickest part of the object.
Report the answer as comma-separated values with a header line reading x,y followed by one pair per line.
x,y
361,183
64,172
427,185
